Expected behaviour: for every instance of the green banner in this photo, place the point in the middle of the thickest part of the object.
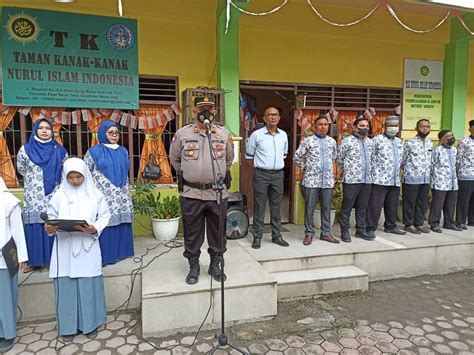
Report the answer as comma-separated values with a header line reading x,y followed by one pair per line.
x,y
61,59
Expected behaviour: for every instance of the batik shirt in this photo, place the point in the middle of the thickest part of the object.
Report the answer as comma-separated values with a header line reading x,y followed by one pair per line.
x,y
416,162
443,169
465,159
119,199
386,160
315,157
355,159
35,201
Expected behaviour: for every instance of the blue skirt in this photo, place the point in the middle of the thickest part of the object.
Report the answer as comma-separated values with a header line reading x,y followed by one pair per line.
x,y
8,304
39,244
116,243
80,304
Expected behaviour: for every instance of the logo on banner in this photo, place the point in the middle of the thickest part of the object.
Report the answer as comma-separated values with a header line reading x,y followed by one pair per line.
x,y
23,28
424,70
120,37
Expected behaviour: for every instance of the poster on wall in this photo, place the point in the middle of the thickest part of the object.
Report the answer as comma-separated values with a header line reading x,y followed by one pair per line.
x,y
61,59
422,92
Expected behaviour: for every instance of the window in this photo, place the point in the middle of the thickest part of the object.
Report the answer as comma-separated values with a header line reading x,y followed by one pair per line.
x,y
77,138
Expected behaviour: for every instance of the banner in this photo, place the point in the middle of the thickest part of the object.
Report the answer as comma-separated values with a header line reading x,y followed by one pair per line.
x,y
422,92
61,59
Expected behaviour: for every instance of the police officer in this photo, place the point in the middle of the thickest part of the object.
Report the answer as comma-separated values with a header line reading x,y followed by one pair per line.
x,y
191,158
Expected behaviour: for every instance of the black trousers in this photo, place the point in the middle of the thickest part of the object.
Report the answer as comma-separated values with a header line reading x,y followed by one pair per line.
x,y
470,214
415,203
442,201
354,195
267,184
201,216
465,199
386,197
311,197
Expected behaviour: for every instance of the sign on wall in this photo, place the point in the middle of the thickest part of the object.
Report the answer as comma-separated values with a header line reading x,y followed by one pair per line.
x,y
422,92
61,59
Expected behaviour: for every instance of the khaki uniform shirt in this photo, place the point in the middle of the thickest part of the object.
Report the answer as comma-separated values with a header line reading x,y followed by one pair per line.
x,y
189,152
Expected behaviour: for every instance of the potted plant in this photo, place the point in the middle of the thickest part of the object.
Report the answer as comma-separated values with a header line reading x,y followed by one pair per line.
x,y
164,212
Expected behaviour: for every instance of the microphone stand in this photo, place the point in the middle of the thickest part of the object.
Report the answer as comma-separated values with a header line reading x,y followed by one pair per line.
x,y
218,188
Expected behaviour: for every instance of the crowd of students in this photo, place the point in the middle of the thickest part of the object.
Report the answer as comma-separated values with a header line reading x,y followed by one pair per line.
x,y
95,190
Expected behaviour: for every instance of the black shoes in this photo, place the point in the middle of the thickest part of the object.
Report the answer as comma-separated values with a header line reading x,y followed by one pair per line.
x,y
215,268
412,230
345,236
462,226
91,335
280,241
394,230
256,244
452,227
194,270
422,229
366,236
68,338
436,229
6,345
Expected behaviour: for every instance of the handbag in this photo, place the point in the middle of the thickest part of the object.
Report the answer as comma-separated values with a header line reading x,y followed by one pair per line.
x,y
152,170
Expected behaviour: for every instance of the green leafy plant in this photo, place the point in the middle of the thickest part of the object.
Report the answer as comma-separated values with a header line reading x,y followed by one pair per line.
x,y
146,203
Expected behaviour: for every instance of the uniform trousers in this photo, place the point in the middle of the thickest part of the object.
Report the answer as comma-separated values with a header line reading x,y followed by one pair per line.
x,y
465,199
8,304
199,217
386,197
354,195
415,202
311,196
442,201
267,184
470,215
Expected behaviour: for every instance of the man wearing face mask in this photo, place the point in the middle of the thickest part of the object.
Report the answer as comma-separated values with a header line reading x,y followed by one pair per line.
x,y
444,183
416,165
315,157
190,157
355,160
386,160
465,163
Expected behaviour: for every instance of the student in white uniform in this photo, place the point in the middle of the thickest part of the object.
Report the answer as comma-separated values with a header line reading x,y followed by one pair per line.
x,y
76,264
11,225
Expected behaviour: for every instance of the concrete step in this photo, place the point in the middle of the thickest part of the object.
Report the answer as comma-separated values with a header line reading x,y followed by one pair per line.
x,y
310,261
310,282
169,305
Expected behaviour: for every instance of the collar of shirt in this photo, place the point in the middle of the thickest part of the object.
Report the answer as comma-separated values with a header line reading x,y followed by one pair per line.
x,y
472,137
268,132
356,136
320,137
198,130
385,134
446,146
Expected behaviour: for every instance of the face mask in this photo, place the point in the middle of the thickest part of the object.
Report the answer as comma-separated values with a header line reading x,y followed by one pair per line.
x,y
363,132
205,114
392,131
423,135
451,141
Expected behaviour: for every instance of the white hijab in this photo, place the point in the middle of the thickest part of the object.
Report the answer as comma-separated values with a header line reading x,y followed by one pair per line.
x,y
78,202
7,204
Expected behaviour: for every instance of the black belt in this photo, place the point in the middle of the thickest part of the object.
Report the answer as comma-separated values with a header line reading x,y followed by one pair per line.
x,y
198,185
269,171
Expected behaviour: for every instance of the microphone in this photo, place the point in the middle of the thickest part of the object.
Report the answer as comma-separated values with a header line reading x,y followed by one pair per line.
x,y
44,217
207,123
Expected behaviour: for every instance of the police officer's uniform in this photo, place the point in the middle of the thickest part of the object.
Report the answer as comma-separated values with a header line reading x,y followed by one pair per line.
x,y
189,155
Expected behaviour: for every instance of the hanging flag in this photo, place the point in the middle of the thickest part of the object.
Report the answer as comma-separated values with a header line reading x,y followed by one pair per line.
x,y
85,115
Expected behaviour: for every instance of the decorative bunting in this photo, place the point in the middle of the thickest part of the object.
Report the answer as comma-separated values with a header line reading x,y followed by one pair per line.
x,y
124,119
369,113
85,115
76,117
24,110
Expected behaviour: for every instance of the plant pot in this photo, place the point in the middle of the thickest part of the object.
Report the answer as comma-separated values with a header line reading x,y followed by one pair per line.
x,y
317,218
165,229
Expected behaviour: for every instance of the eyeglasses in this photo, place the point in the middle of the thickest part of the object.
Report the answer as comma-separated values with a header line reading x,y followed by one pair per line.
x,y
273,115
113,133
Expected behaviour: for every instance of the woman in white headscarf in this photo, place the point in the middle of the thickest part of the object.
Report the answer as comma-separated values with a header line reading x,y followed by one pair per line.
x,y
76,264
11,226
